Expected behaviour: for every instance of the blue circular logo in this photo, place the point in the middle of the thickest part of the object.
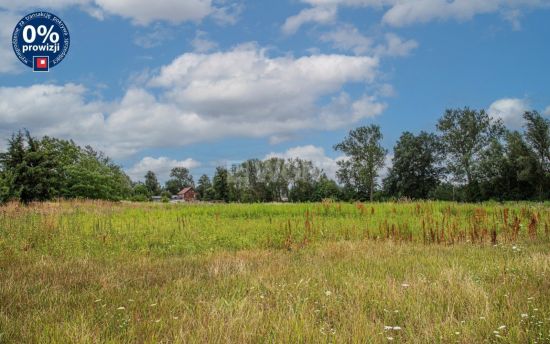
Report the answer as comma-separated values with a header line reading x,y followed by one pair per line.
x,y
41,41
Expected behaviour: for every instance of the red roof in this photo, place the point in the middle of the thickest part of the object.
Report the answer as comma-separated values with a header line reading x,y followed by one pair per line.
x,y
185,190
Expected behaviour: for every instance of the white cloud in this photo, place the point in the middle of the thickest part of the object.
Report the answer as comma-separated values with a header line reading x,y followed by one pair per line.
x,y
421,11
161,166
276,94
201,97
348,38
49,109
547,111
312,153
509,110
406,12
320,14
141,12
395,46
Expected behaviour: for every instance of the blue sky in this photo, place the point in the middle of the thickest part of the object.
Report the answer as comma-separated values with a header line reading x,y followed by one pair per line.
x,y
201,83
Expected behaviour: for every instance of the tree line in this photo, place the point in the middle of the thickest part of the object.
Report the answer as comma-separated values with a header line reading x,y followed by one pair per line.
x,y
471,157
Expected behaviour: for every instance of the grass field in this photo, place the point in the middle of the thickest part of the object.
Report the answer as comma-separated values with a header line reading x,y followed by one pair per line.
x,y
423,272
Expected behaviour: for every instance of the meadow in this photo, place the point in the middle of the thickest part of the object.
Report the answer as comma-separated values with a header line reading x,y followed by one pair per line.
x,y
411,272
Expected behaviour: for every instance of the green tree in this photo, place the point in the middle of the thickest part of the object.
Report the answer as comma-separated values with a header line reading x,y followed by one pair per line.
x,y
416,169
326,188
365,158
221,184
140,193
152,184
33,172
204,189
537,135
180,178
466,134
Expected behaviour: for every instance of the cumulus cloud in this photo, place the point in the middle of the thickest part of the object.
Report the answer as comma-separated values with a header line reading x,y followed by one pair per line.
x,y
319,14
312,153
161,166
140,12
201,97
400,13
348,38
53,110
547,111
145,11
245,84
509,110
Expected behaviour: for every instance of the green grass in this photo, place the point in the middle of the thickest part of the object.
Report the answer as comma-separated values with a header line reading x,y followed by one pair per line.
x,y
95,272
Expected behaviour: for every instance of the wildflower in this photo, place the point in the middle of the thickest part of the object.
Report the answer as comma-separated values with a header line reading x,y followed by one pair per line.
x,y
405,285
457,333
175,318
482,318
121,308
97,300
502,327
387,328
390,338
525,315
396,328
328,293
157,321
153,305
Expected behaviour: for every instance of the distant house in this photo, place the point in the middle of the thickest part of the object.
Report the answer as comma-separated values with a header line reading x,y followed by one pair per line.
x,y
187,195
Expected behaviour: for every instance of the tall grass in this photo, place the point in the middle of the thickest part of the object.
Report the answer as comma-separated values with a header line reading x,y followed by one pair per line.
x,y
420,272
99,228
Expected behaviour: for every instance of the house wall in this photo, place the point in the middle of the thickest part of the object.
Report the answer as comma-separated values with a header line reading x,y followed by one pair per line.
x,y
189,196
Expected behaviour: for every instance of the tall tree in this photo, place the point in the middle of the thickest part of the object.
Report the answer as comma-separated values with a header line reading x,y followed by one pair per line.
x,y
204,188
32,170
416,169
366,157
220,184
152,184
180,178
466,134
537,135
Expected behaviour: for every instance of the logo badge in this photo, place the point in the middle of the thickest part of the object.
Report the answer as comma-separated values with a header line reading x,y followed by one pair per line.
x,y
41,41
41,64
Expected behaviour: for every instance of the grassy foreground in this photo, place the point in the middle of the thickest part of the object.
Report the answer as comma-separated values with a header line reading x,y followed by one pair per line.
x,y
92,272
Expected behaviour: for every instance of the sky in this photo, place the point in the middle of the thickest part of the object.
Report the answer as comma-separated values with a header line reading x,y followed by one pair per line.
x,y
206,83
